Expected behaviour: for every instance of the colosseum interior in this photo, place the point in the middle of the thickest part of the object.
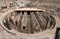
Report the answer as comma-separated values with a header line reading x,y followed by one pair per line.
x,y
29,19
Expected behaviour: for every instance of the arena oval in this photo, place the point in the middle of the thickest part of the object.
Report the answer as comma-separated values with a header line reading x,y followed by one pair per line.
x,y
28,16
